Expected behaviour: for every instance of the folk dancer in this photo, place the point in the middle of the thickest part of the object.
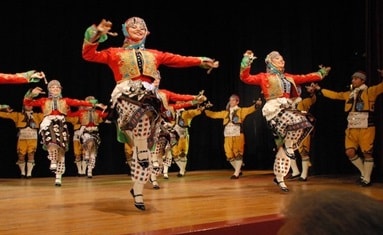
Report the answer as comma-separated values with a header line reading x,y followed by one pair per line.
x,y
89,136
135,98
53,128
279,89
304,105
234,138
166,135
359,103
27,122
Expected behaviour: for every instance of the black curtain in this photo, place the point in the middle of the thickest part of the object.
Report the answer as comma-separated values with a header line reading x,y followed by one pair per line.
x,y
48,37
374,61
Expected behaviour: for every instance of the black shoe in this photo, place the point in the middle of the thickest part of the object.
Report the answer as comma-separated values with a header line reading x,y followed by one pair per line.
x,y
284,189
234,177
359,180
302,179
138,205
180,175
240,173
364,183
291,177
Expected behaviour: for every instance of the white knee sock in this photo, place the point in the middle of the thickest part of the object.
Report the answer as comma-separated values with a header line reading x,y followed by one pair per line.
x,y
182,165
22,168
237,167
30,166
232,163
294,167
165,170
368,166
305,167
357,161
78,165
84,164
153,179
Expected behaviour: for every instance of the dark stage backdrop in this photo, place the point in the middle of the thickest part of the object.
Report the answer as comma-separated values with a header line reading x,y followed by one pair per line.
x,y
49,36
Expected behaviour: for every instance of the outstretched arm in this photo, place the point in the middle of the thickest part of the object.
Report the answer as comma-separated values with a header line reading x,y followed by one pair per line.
x,y
21,78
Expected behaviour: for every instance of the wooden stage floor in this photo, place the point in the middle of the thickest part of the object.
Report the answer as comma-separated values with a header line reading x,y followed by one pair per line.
x,y
200,201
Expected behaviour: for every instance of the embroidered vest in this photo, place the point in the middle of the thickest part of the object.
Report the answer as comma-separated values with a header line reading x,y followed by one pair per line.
x,y
52,104
137,63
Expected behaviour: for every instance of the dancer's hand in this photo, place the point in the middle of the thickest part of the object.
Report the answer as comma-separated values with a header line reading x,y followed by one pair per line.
x,y
324,70
247,59
104,27
99,33
37,91
209,64
5,108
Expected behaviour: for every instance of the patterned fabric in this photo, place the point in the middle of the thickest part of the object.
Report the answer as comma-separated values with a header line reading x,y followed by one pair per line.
x,y
56,133
91,135
281,164
287,125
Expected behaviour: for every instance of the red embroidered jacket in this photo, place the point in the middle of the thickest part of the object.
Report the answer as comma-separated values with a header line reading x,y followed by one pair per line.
x,y
125,65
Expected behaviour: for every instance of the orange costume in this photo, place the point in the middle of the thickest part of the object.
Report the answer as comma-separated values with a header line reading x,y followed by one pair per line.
x,y
359,104
234,138
181,149
28,124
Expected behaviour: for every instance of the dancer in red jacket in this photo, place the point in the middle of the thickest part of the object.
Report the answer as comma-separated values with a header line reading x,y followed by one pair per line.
x,y
280,90
134,97
53,128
